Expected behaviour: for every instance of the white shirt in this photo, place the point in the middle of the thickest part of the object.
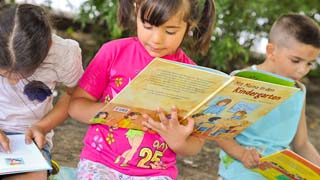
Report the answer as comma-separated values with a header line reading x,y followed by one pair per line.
x,y
62,65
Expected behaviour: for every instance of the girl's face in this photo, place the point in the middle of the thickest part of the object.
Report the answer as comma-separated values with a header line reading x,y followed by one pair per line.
x,y
295,60
164,39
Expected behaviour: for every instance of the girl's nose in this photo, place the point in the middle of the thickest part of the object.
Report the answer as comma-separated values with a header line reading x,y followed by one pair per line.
x,y
156,37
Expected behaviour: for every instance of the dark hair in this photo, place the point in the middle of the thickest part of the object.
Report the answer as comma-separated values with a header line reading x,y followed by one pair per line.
x,y
106,114
199,18
297,26
25,37
132,114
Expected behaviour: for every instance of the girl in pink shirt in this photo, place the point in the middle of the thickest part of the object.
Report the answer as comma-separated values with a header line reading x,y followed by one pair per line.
x,y
118,153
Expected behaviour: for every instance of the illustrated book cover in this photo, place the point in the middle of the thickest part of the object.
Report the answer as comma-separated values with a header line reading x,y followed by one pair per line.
x,y
222,105
22,158
287,165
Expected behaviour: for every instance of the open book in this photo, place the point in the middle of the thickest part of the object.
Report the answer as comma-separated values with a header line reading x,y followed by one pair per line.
x,y
222,105
286,164
23,157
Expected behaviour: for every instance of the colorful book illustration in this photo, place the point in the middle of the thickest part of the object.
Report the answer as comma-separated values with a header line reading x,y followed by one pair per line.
x,y
222,105
23,157
287,165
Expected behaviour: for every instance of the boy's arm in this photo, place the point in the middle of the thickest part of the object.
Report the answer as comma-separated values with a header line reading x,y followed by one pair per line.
x,y
301,143
248,157
83,106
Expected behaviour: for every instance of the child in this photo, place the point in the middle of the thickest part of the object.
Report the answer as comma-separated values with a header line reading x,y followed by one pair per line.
x,y
294,45
32,62
161,28
218,107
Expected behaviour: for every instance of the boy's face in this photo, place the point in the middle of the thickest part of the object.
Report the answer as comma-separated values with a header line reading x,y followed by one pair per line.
x,y
293,61
162,40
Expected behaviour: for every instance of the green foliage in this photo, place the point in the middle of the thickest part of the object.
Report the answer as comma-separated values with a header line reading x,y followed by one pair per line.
x,y
101,16
234,21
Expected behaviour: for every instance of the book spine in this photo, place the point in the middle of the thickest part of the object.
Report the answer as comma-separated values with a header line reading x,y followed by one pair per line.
x,y
209,97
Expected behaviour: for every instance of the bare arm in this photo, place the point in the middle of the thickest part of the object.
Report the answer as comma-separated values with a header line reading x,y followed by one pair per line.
x,y
248,157
301,143
83,106
57,115
177,136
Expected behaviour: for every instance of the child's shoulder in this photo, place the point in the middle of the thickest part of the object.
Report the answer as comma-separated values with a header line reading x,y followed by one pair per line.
x,y
63,43
123,42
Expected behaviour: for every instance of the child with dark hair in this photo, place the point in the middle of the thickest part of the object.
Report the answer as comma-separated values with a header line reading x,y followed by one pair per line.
x,y
32,62
294,45
161,26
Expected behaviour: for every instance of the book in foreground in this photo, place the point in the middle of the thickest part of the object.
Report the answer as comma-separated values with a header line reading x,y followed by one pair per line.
x,y
23,157
287,165
222,105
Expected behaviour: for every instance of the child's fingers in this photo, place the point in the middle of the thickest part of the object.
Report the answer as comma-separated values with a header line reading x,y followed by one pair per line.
x,y
4,142
150,123
162,116
40,141
174,113
28,136
190,124
249,158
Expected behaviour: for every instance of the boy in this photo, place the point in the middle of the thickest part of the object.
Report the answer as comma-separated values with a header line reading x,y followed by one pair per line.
x,y
294,45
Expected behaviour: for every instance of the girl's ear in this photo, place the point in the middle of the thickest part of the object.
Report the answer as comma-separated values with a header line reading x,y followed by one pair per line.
x,y
270,50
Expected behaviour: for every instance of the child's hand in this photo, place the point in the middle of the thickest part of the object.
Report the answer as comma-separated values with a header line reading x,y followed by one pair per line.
x,y
250,158
37,134
170,129
4,142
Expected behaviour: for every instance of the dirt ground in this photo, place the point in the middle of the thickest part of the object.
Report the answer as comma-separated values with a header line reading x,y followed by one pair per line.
x,y
68,142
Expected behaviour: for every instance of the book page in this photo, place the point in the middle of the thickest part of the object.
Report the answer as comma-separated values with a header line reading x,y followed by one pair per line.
x,y
287,165
162,83
237,106
23,157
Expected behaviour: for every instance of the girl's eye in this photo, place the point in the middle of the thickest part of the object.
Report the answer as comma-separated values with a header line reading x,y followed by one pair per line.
x,y
147,25
170,32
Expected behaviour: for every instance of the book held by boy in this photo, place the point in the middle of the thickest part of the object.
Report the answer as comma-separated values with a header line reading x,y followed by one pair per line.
x,y
222,105
22,158
287,165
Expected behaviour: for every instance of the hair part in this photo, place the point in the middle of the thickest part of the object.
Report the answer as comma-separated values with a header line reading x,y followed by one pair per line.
x,y
25,37
297,26
200,19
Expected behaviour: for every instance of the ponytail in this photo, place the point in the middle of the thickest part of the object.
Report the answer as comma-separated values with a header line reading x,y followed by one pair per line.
x,y
126,10
203,32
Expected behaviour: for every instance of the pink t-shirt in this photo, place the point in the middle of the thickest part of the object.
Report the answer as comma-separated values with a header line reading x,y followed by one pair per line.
x,y
130,152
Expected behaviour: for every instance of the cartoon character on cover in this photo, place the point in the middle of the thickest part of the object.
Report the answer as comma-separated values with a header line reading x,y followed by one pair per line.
x,y
218,107
135,137
204,125
161,27
101,117
238,115
32,62
294,45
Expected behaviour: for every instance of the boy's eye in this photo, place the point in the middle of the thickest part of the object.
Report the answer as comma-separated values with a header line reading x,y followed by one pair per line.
x,y
312,64
295,60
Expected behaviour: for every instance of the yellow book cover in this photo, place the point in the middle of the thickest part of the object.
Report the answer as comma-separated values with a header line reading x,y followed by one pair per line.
x,y
287,165
222,105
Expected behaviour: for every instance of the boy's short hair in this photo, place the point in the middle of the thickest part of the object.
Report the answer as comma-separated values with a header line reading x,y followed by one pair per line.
x,y
300,27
